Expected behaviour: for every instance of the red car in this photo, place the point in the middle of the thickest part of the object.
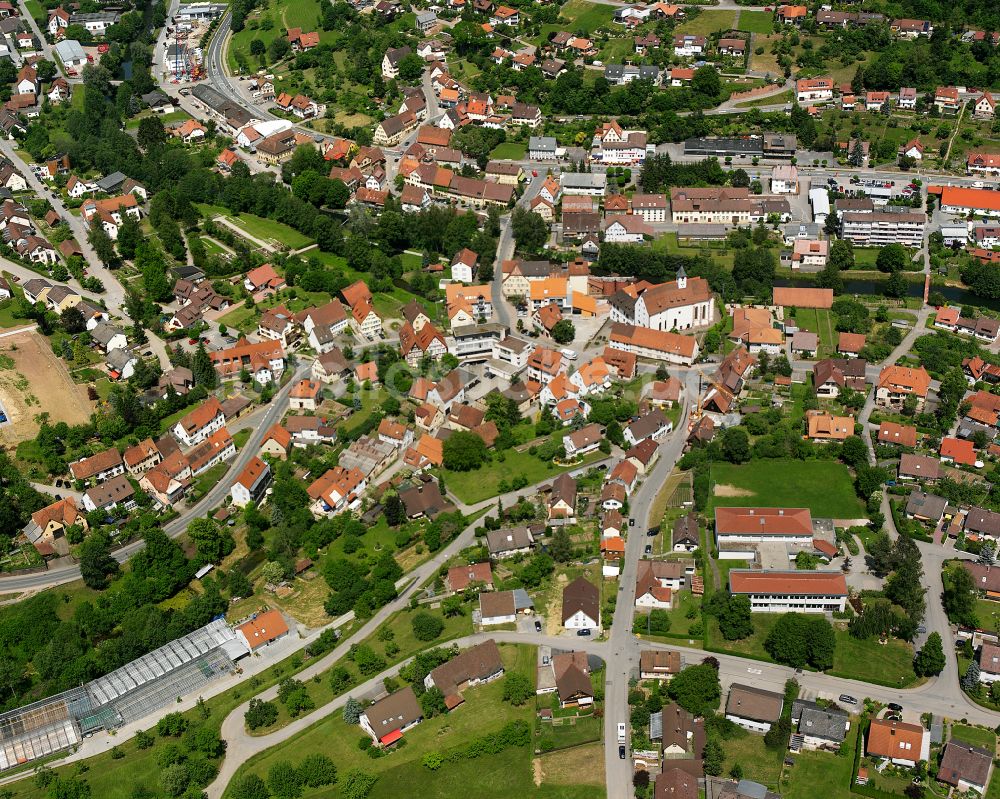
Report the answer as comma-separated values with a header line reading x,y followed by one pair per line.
x,y
534,173
102,48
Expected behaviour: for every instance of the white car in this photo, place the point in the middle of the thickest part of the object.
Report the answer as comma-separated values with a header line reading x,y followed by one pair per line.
x,y
621,733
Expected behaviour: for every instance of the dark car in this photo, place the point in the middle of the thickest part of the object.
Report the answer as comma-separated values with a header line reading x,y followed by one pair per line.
x,y
583,633
653,531
895,707
631,522
621,752
649,549
538,626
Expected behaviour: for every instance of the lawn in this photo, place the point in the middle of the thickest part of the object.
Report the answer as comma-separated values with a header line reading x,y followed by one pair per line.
x,y
679,622
824,487
585,729
482,713
752,646
509,151
759,763
833,772
475,486
870,661
240,318
819,321
7,315
206,480
709,22
774,99
975,736
756,22
988,613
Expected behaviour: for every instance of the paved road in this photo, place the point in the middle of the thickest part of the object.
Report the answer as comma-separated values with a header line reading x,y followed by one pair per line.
x,y
213,498
114,294
505,245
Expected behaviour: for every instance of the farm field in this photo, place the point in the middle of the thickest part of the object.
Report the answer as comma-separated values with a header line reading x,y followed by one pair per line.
x,y
33,381
824,487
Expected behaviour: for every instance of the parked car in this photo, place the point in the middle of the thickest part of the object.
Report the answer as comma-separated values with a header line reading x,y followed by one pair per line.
x,y
583,633
621,752
649,549
538,626
895,706
847,699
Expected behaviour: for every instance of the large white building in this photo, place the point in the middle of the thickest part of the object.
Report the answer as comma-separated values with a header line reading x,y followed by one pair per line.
x,y
880,229
681,304
790,591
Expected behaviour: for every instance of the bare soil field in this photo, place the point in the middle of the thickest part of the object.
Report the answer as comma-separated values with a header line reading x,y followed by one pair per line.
x,y
723,490
33,381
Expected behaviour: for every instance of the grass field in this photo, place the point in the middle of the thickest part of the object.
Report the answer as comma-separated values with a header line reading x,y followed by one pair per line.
x,y
509,151
871,661
259,227
767,61
824,487
482,713
7,315
831,771
708,22
473,487
756,22
587,16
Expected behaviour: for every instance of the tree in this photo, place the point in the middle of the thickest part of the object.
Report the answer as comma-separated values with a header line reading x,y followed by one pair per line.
x,y
357,784
517,689
797,640
529,229
213,542
260,714
561,547
71,320
832,223
891,258
563,332
696,689
736,445
856,156
411,67
853,451
395,510
896,285
151,132
959,597
283,780
842,255
96,563
202,369
740,178
317,770
776,738
352,710
930,659
732,613
714,756
706,82
432,702
174,779
464,451
426,627
249,786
